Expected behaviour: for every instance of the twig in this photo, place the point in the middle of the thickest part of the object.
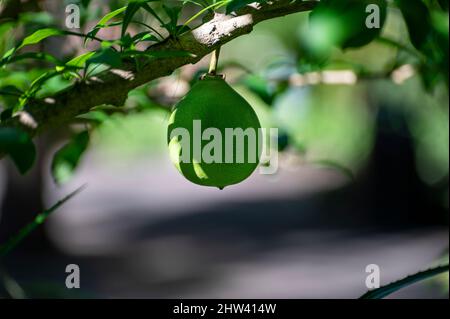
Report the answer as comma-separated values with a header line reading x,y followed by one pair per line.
x,y
39,219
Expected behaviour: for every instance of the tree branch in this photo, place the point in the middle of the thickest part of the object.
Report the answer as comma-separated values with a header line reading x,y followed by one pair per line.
x,y
112,87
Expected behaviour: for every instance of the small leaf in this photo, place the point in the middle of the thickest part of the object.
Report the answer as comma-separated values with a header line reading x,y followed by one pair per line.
x,y
77,62
52,86
235,5
102,23
180,29
67,158
40,35
393,287
95,116
34,38
37,83
152,12
14,241
10,90
144,36
8,54
131,10
41,56
126,41
110,16
173,13
212,7
417,19
203,5
19,146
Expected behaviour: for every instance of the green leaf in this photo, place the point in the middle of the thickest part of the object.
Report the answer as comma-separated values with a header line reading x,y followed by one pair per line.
x,y
212,7
67,158
41,56
53,86
10,90
8,54
173,13
126,41
152,12
417,18
107,56
131,10
203,5
77,62
102,23
144,36
393,287
110,16
37,83
14,241
235,5
97,116
180,29
34,38
342,23
19,146
428,32
40,35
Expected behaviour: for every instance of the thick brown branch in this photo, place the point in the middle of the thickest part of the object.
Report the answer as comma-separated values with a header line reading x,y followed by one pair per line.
x,y
112,87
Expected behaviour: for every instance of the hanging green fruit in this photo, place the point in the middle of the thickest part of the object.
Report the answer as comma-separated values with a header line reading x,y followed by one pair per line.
x,y
213,151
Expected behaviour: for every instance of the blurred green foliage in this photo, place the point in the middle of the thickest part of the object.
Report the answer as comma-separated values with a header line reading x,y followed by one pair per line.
x,y
323,122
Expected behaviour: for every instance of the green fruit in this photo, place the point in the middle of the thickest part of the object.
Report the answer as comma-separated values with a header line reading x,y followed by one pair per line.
x,y
213,102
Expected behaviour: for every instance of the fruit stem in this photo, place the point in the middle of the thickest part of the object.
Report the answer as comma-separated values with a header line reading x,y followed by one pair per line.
x,y
214,61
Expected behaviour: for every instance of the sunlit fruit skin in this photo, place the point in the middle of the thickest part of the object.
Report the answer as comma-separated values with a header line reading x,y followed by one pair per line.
x,y
217,105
